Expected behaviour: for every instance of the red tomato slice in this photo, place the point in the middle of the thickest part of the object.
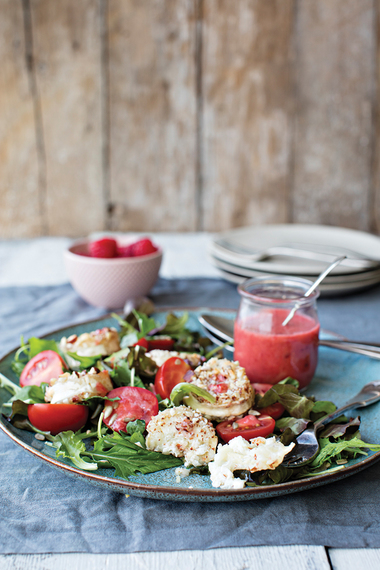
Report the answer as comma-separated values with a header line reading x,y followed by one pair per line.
x,y
161,343
261,388
42,368
170,374
57,417
135,404
247,427
274,410
142,342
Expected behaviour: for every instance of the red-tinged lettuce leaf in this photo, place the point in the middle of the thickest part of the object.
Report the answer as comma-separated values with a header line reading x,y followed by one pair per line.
x,y
143,365
273,395
135,323
290,428
339,430
287,394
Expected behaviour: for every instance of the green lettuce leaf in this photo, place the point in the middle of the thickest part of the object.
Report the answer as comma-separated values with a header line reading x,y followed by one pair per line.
x,y
287,394
71,446
128,458
336,450
184,389
31,394
121,376
321,408
37,345
143,365
175,325
85,361
9,385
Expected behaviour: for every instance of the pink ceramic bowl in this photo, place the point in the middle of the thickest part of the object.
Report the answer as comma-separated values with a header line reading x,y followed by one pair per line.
x,y
110,283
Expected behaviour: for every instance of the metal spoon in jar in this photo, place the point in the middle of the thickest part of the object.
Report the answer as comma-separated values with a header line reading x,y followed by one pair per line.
x,y
313,287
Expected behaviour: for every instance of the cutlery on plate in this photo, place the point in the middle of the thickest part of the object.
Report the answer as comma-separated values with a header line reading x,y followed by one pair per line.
x,y
307,445
292,251
221,330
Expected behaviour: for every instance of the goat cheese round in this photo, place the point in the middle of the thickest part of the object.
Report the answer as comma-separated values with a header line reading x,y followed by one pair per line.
x,y
102,342
228,383
257,455
71,388
182,432
161,356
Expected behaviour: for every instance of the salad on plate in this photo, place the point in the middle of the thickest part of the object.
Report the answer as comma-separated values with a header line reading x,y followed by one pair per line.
x,y
141,397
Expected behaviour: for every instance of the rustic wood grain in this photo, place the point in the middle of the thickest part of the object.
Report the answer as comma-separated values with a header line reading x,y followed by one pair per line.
x,y
335,77
375,194
247,558
354,558
152,114
67,52
247,112
20,214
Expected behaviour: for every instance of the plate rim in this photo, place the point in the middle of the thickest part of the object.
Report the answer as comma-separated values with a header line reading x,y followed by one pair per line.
x,y
326,290
268,266
181,493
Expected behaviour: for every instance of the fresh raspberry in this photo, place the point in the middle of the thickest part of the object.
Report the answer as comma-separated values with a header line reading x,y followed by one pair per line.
x,y
143,247
105,247
125,250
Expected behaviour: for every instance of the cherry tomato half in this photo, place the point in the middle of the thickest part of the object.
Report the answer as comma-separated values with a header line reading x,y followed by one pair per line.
x,y
135,404
57,417
274,410
247,427
161,343
170,374
142,342
42,368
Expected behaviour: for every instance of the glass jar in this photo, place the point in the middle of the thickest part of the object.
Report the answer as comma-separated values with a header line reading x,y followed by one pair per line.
x,y
268,350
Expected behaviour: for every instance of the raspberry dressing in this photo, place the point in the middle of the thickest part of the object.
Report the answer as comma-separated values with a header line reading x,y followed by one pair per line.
x,y
271,352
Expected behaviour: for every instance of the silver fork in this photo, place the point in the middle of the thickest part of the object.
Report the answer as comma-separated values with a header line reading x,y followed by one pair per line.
x,y
307,446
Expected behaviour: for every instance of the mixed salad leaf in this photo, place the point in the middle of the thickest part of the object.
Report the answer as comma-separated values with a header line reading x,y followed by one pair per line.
x,y
94,447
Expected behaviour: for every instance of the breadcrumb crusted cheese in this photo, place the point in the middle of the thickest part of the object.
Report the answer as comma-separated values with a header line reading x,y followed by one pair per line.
x,y
161,356
71,388
228,382
182,432
257,455
103,341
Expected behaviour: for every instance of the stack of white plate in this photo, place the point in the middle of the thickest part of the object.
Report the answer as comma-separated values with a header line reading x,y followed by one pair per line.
x,y
299,250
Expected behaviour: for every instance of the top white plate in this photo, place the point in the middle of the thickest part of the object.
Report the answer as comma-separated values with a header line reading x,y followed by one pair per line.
x,y
324,239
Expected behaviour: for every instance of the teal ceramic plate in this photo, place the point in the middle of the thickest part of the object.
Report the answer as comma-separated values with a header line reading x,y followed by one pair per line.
x,y
339,376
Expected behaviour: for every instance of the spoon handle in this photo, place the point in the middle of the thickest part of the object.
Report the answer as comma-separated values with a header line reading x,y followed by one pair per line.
x,y
313,287
368,349
368,395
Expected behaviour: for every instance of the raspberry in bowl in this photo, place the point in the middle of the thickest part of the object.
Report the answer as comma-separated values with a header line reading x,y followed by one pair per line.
x,y
107,272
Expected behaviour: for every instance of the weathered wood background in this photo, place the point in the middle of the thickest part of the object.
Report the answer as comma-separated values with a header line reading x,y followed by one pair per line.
x,y
154,115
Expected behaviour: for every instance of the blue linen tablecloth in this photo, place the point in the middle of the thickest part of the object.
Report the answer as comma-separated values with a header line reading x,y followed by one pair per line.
x,y
44,511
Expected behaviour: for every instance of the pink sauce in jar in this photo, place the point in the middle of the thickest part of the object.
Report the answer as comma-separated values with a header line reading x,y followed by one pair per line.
x,y
267,350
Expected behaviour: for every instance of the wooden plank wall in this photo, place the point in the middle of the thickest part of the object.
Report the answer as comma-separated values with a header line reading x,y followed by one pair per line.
x,y
182,115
